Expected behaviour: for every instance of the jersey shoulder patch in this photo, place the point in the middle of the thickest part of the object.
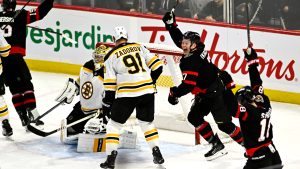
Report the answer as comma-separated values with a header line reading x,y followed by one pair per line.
x,y
89,65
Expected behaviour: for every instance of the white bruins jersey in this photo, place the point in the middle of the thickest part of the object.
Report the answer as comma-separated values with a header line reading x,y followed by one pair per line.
x,y
4,47
91,87
128,68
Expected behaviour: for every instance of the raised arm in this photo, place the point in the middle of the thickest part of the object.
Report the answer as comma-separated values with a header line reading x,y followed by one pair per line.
x,y
40,12
171,25
252,60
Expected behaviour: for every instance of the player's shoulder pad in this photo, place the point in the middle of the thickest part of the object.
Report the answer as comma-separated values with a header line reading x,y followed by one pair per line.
x,y
109,53
89,65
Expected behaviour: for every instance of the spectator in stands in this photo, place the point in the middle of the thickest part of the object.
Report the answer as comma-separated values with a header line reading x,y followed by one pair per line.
x,y
81,3
240,15
129,5
291,14
269,12
166,6
213,11
152,7
195,6
108,4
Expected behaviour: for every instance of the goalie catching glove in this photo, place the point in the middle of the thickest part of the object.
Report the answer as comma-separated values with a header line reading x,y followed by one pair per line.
x,y
70,89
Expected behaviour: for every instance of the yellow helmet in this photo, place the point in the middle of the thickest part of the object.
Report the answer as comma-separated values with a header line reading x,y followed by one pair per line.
x,y
100,52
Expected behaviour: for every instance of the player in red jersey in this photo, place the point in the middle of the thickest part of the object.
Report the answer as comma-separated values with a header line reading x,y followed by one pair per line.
x,y
15,71
254,113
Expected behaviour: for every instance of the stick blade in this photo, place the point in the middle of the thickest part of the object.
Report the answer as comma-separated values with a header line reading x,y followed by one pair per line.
x,y
36,131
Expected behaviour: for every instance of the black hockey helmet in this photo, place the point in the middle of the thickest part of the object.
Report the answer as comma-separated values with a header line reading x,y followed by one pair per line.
x,y
245,94
9,4
194,37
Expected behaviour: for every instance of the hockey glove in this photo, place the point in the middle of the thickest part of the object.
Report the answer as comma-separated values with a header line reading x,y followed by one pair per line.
x,y
172,99
169,20
69,91
251,57
227,80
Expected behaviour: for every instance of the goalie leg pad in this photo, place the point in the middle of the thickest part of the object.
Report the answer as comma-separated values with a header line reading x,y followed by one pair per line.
x,y
91,143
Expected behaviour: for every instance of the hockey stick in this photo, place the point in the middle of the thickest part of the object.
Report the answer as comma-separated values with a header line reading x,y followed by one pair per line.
x,y
45,134
248,24
48,111
58,33
17,14
174,7
256,12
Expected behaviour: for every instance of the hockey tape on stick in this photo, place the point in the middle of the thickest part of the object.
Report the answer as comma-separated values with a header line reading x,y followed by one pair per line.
x,y
48,111
58,33
45,134
17,14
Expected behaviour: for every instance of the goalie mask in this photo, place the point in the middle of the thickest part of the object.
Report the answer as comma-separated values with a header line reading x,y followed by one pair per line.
x,y
95,126
99,54
9,5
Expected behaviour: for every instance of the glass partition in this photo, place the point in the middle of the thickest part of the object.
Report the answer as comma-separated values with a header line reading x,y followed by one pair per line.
x,y
280,14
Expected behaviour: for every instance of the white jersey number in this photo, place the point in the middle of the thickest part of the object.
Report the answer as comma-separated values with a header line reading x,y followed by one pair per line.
x,y
7,32
265,127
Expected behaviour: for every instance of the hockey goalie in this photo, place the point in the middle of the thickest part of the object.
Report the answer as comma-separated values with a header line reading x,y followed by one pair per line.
x,y
89,87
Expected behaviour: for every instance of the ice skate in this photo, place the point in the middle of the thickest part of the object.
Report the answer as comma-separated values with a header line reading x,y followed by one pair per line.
x,y
110,161
6,128
157,157
33,115
24,118
217,150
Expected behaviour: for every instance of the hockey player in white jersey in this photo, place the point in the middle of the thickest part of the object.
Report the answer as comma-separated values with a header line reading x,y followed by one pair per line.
x,y
130,75
4,118
89,86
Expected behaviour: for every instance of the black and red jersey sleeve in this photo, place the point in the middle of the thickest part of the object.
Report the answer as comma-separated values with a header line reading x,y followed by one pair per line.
x,y
190,74
176,36
40,12
256,82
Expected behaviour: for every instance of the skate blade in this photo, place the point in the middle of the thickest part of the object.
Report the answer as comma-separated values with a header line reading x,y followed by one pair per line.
x,y
39,127
217,155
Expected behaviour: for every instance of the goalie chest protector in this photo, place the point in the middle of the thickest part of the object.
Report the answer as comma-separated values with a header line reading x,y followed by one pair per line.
x,y
91,87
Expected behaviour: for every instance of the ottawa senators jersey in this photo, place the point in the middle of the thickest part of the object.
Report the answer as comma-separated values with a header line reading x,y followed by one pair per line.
x,y
91,87
15,31
255,123
128,68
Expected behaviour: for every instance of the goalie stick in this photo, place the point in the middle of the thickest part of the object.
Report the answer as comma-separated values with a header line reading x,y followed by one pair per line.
x,y
45,134
48,111
58,33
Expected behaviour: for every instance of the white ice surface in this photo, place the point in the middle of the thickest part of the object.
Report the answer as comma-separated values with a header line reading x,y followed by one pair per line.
x,y
28,151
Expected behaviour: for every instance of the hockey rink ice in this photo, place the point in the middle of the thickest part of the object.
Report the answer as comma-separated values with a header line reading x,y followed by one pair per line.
x,y
28,151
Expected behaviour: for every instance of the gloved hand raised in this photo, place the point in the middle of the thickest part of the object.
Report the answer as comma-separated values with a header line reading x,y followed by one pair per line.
x,y
169,20
250,54
172,99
